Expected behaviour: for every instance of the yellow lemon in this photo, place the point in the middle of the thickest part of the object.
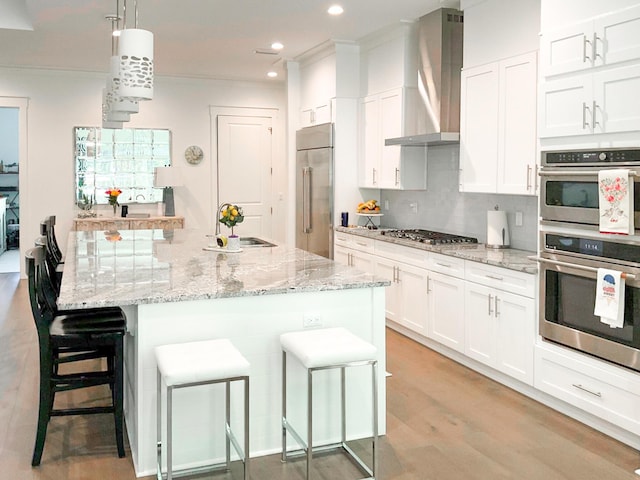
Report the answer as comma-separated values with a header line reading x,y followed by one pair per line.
x,y
232,217
234,212
224,212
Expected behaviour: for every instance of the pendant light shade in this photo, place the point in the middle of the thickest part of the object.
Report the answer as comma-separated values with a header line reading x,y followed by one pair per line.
x,y
109,115
116,102
135,51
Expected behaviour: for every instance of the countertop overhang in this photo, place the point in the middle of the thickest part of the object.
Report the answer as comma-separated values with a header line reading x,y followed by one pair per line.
x,y
156,266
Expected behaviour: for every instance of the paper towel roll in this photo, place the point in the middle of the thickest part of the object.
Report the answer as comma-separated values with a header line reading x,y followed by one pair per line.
x,y
497,229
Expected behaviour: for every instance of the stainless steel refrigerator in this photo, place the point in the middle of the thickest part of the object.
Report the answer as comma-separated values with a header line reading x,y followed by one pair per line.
x,y
314,189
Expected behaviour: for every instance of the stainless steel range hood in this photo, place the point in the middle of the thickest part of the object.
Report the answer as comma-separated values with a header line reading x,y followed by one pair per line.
x,y
439,65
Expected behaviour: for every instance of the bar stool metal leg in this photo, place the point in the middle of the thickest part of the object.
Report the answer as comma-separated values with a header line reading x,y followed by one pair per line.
x,y
159,426
169,433
284,406
309,421
246,428
227,423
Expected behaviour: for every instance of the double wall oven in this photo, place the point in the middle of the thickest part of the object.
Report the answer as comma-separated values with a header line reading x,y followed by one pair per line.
x,y
572,249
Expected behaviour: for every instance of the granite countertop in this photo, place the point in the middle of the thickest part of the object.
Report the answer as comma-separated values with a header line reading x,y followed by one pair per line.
x,y
510,258
134,267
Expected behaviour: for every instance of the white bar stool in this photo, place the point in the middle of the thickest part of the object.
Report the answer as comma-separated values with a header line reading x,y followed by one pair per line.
x,y
191,364
324,349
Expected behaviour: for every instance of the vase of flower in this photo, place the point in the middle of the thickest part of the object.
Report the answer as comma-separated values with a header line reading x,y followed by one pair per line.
x,y
112,197
231,215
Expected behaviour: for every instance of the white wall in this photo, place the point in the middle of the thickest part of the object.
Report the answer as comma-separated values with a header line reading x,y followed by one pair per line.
x,y
59,100
557,14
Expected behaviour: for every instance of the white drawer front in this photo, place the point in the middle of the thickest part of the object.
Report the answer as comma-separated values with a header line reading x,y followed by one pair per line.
x,y
612,397
362,244
501,278
400,253
446,264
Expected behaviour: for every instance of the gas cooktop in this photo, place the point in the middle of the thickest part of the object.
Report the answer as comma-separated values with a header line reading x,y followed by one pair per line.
x,y
428,236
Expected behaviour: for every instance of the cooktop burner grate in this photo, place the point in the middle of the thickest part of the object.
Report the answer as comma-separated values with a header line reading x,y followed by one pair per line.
x,y
428,236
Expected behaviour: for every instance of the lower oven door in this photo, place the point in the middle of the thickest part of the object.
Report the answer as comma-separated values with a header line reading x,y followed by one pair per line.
x,y
567,300
572,196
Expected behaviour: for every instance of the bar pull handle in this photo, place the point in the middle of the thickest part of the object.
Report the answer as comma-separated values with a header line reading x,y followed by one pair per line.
x,y
397,172
630,276
494,277
490,297
594,121
595,46
585,41
584,115
428,285
398,274
306,199
496,306
581,173
528,177
584,389
374,177
445,265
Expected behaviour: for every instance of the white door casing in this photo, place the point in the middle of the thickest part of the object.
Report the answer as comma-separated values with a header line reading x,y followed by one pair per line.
x,y
245,170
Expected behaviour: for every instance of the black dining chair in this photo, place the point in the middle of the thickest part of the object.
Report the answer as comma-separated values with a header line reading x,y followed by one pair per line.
x,y
54,269
47,228
71,336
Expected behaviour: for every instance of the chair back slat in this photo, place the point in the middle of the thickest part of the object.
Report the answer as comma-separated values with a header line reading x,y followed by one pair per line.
x,y
40,298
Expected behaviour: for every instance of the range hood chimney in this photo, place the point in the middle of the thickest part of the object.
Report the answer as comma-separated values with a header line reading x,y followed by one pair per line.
x,y
439,65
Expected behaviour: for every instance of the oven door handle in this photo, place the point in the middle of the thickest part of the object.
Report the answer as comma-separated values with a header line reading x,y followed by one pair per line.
x,y
577,173
630,276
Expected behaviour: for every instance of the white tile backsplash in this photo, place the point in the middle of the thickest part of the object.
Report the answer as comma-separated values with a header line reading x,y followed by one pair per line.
x,y
443,208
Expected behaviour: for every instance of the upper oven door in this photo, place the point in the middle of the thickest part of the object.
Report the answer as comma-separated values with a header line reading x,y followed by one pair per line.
x,y
572,196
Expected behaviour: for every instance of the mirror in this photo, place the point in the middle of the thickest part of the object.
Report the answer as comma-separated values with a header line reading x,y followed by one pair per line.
x,y
119,158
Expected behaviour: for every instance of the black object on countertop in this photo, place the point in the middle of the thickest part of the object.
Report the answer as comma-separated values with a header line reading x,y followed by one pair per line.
x,y
125,211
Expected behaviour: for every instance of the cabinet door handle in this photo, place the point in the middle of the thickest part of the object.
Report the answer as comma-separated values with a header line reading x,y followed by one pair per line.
x,y
496,306
585,41
445,265
490,298
594,47
361,244
535,178
397,171
584,116
374,176
428,283
580,387
397,274
494,277
594,121
528,177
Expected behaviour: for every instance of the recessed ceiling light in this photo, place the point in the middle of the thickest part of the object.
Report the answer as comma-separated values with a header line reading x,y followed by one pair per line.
x,y
335,10
277,46
272,74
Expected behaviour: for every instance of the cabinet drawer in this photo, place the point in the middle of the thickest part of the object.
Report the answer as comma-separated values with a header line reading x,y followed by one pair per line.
x,y
446,264
362,244
603,391
400,253
501,278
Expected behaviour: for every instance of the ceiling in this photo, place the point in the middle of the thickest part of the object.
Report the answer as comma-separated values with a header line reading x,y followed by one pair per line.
x,y
193,38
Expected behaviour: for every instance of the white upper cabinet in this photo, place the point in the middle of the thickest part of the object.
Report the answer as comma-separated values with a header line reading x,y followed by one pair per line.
x,y
498,127
591,73
603,41
384,116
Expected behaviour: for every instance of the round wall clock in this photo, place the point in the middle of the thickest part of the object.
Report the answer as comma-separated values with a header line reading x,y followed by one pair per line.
x,y
193,154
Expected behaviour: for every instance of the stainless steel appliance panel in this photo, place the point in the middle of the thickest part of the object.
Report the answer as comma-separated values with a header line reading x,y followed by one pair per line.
x,y
314,189
568,267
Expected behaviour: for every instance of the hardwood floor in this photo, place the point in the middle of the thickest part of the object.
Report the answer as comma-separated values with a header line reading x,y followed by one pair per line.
x,y
444,422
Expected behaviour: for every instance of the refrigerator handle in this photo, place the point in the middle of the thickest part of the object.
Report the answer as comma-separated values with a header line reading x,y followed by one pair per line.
x,y
306,199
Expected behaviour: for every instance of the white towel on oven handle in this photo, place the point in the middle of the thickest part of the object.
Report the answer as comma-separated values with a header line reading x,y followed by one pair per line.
x,y
615,199
610,297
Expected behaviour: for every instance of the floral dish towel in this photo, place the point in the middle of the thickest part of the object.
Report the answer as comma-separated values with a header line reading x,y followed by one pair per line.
x,y
615,188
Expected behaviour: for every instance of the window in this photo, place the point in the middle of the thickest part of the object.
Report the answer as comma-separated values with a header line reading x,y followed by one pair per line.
x,y
119,158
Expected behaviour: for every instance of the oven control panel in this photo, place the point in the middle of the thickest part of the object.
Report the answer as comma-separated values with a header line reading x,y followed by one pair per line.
x,y
592,157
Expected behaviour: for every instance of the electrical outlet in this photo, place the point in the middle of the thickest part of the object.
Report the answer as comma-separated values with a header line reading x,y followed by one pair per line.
x,y
414,207
518,219
311,320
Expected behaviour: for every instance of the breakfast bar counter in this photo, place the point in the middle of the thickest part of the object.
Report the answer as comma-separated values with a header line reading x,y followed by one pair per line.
x,y
174,289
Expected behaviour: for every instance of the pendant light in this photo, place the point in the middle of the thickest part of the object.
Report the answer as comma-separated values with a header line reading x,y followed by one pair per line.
x,y
135,52
114,99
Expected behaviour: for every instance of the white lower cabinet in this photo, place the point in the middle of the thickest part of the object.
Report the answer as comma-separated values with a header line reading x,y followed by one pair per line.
x,y
406,297
604,390
446,310
500,330
354,251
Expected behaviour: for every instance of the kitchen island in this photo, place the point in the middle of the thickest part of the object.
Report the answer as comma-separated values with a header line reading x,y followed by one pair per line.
x,y
173,290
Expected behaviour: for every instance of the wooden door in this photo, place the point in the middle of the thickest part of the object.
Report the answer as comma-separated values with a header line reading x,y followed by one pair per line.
x,y
244,171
